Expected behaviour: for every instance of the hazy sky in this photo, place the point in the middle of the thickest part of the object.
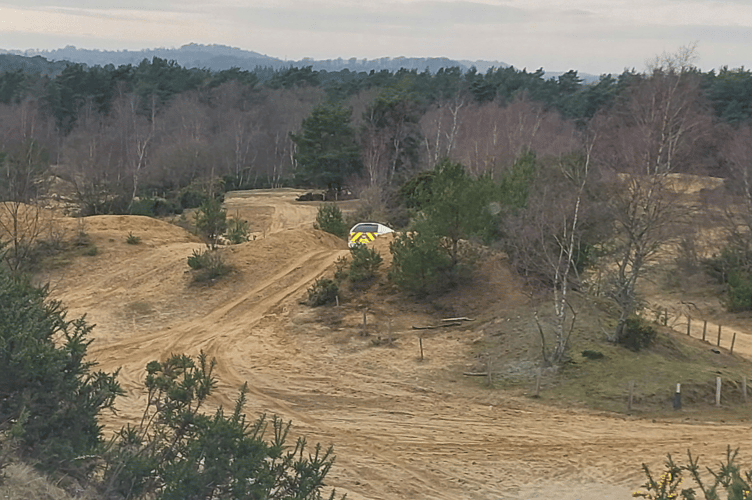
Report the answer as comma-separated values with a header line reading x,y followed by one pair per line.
x,y
592,36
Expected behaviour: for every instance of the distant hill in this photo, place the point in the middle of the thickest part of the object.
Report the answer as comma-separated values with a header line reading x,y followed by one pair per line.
x,y
222,57
35,64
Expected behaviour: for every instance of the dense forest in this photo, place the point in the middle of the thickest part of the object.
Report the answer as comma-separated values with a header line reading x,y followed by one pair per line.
x,y
156,128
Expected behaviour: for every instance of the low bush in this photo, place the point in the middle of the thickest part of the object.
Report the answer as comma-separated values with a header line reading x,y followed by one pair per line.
x,y
341,269
208,265
728,478
177,452
132,239
50,395
211,221
589,354
237,231
418,265
738,296
637,334
329,218
323,291
365,262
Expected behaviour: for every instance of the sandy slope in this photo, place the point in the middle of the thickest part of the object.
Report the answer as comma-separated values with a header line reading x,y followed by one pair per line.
x,y
402,428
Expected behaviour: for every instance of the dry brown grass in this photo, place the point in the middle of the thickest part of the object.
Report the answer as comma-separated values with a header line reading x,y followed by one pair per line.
x,y
23,482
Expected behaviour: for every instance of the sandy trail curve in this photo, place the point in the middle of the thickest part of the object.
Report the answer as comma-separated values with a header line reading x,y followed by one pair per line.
x,y
402,429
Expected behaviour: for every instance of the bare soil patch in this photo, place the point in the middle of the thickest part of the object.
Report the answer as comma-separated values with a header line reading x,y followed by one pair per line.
x,y
403,428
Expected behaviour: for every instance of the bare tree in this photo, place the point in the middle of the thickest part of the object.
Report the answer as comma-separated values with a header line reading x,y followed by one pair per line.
x,y
22,220
440,126
647,138
545,239
492,136
737,214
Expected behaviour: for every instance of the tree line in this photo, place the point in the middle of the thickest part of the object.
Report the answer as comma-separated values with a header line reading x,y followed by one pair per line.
x,y
562,166
157,127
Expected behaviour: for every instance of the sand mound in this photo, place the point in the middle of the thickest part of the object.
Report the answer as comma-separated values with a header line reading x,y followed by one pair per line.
x,y
403,428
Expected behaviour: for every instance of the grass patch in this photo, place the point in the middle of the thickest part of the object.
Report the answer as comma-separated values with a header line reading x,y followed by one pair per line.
x,y
602,384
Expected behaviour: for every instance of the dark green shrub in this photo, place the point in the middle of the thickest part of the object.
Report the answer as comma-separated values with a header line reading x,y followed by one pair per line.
x,y
208,265
48,391
739,294
587,353
323,291
192,197
418,264
329,218
637,334
179,453
733,267
198,259
720,266
365,262
154,207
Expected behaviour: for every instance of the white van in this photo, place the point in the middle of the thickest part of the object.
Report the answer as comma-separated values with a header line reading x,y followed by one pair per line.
x,y
365,232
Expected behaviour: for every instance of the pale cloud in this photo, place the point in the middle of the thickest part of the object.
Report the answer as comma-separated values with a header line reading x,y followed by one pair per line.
x,y
589,35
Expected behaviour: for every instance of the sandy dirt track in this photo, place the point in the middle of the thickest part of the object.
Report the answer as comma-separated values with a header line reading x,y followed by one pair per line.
x,y
402,428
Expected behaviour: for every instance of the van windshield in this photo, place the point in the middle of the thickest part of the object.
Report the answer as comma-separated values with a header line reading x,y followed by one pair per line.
x,y
365,228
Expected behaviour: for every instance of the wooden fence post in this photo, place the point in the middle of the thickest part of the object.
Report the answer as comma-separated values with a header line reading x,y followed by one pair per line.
x,y
420,340
489,379
719,336
365,324
689,323
704,329
665,317
538,376
631,396
733,339
718,391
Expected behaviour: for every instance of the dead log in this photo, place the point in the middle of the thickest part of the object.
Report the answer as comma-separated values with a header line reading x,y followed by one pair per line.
x,y
447,325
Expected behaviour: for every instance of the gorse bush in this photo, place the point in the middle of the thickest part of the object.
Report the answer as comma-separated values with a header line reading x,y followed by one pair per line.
x,y
329,218
178,453
49,393
728,478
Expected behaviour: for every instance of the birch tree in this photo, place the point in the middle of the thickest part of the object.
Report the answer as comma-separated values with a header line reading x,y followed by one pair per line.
x,y
648,137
